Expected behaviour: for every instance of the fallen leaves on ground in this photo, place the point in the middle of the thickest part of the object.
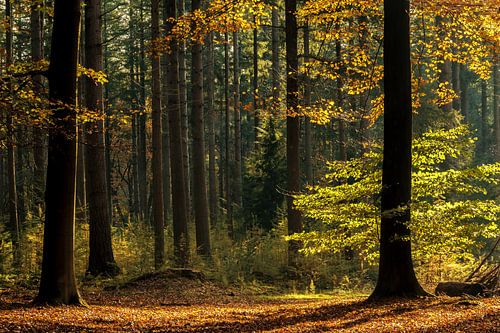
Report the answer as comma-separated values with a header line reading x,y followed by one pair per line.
x,y
176,304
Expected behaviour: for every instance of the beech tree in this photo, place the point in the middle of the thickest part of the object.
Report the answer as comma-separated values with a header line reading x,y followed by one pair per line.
x,y
292,125
396,275
58,283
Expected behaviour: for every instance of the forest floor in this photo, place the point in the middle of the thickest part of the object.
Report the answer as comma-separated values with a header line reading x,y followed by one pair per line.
x,y
171,303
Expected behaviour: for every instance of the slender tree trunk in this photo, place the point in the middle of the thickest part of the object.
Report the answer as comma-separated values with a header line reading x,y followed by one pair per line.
x,y
167,197
255,85
212,177
340,102
157,186
464,91
455,69
200,203
184,112
292,127
58,282
227,164
396,275
445,77
13,227
101,258
496,110
275,57
237,123
484,119
133,101
307,121
141,131
39,135
179,204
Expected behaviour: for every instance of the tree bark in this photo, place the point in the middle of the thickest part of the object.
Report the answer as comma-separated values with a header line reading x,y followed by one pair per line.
x,y
184,112
292,127
200,204
255,85
101,258
141,131
340,102
39,135
179,204
227,164
496,110
396,275
307,121
483,148
237,123
13,226
58,282
157,185
464,91
212,177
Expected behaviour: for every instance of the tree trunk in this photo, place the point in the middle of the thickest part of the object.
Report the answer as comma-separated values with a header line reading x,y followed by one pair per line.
x,y
464,91
101,258
212,177
292,127
13,226
157,186
237,123
396,275
179,204
275,59
496,110
167,194
141,131
455,69
340,102
184,112
255,85
58,282
39,135
200,203
307,122
227,164
483,148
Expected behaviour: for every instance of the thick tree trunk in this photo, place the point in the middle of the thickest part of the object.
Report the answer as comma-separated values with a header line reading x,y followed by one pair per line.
x,y
101,258
58,283
200,204
227,164
237,123
212,177
157,185
396,275
179,204
292,127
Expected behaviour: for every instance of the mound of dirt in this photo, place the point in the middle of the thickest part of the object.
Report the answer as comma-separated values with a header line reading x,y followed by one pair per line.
x,y
169,287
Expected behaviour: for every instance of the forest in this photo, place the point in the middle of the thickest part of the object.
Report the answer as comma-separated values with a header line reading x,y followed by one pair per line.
x,y
249,166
